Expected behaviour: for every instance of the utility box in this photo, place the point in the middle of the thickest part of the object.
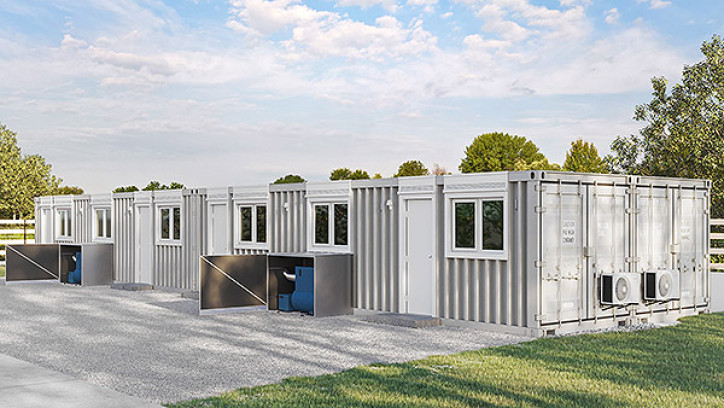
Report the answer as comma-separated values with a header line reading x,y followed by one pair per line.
x,y
53,262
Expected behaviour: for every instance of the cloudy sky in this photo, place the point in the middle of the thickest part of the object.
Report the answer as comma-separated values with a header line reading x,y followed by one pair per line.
x,y
213,93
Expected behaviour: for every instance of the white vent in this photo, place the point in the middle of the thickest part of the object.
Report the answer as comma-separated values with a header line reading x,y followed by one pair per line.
x,y
661,285
620,288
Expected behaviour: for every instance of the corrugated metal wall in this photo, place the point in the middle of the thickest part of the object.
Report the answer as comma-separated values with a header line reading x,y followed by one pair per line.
x,y
123,234
83,229
288,221
375,243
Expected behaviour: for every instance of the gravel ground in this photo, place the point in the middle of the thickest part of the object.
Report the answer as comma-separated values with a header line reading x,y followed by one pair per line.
x,y
153,345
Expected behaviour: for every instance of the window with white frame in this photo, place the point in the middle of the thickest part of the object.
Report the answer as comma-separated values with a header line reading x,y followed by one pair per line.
x,y
252,223
63,223
170,223
102,223
478,227
331,225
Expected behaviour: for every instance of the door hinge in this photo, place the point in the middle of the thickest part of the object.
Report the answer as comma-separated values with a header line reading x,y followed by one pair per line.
x,y
540,317
540,264
540,209
538,187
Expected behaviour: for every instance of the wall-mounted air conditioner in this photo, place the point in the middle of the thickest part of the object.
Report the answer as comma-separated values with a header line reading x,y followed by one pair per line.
x,y
661,285
620,288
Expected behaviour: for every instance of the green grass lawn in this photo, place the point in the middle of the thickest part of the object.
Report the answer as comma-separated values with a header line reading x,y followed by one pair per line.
x,y
681,366
2,271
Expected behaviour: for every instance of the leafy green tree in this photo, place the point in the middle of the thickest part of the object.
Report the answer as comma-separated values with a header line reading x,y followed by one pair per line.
x,y
683,135
412,168
22,178
156,185
377,176
347,174
67,190
126,189
583,158
290,178
500,151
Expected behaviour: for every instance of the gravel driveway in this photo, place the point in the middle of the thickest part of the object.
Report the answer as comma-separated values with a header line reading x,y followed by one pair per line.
x,y
154,345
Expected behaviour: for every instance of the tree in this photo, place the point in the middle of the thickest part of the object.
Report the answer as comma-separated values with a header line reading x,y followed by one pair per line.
x,y
22,178
438,171
290,178
683,134
127,189
156,185
67,190
583,158
412,168
347,174
377,176
500,151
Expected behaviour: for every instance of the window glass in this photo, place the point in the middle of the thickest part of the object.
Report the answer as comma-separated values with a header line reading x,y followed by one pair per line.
x,y
67,223
64,223
108,223
340,224
465,225
493,225
177,223
260,223
165,223
61,218
99,223
245,224
321,224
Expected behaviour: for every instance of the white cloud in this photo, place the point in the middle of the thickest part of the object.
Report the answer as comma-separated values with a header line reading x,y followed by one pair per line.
x,y
656,4
612,16
389,5
446,15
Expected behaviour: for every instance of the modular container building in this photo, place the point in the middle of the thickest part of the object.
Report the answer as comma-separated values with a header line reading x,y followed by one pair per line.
x,y
532,252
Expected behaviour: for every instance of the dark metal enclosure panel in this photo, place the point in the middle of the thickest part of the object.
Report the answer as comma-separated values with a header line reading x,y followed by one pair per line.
x,y
97,264
31,262
219,291
333,285
67,264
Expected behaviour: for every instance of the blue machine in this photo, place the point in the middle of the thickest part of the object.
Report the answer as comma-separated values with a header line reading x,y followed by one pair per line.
x,y
303,295
285,302
75,275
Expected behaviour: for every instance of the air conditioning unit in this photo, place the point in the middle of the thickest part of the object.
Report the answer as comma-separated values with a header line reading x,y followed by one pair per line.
x,y
620,288
661,285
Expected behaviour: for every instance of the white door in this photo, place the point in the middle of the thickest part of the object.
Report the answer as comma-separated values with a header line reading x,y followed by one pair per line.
x,y
144,245
418,274
218,244
46,234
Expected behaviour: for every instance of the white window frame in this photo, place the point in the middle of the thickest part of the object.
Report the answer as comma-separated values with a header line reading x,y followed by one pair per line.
x,y
311,220
68,227
107,235
477,252
159,228
253,244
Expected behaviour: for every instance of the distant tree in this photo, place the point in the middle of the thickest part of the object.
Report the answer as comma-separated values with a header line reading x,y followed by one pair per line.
x,y
22,178
377,176
127,189
438,171
412,168
68,190
156,185
583,158
341,174
360,175
290,178
500,151
683,135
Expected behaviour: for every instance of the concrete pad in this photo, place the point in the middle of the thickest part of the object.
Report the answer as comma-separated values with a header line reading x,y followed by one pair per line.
x,y
25,385
404,320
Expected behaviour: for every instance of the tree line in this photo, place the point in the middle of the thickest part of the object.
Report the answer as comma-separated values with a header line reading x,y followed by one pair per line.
x,y
682,136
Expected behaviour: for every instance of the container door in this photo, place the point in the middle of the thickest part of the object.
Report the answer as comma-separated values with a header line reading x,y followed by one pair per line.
x,y
47,226
218,235
564,233
418,275
609,240
654,224
144,245
691,240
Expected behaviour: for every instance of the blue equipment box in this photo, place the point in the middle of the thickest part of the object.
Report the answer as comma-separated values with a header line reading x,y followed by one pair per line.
x,y
285,302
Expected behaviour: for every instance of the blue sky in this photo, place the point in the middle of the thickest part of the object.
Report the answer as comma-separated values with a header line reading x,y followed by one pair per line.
x,y
213,93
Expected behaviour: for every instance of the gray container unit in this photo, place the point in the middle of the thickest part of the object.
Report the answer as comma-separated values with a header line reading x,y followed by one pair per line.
x,y
43,262
250,220
124,238
63,219
243,282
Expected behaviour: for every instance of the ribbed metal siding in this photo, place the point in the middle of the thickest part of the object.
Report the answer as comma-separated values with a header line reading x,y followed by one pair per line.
x,y
490,290
83,220
376,248
124,238
288,225
248,251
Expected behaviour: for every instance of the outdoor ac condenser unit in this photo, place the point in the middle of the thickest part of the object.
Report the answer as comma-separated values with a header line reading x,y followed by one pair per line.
x,y
620,288
661,285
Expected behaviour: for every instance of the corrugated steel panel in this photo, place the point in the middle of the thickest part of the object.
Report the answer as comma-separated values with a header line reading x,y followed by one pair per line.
x,y
288,218
375,243
83,230
124,237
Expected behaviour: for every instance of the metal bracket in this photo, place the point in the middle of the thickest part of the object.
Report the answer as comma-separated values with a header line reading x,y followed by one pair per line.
x,y
588,251
674,248
538,187
540,264
540,209
541,317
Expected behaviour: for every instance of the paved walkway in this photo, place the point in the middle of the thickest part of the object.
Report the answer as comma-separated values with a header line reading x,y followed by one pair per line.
x,y
25,385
